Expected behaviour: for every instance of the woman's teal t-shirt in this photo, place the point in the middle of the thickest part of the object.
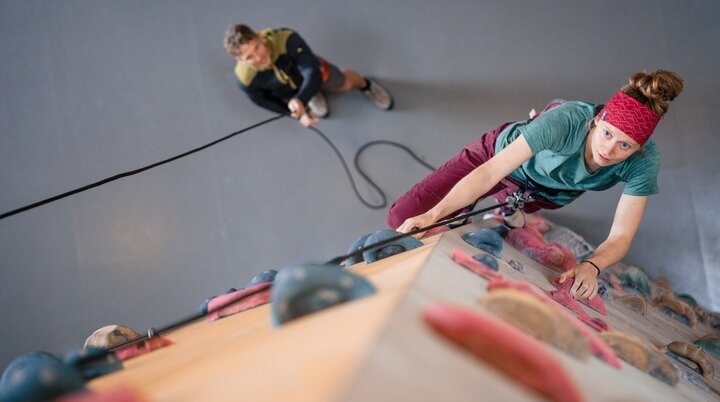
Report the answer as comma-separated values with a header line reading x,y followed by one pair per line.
x,y
557,168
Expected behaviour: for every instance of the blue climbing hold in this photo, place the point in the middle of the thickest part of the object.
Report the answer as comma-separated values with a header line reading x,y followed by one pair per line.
x,y
204,305
488,260
305,289
263,277
93,362
357,245
398,246
485,239
38,376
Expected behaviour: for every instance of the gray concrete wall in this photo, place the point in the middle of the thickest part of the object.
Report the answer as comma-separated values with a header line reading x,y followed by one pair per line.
x,y
91,89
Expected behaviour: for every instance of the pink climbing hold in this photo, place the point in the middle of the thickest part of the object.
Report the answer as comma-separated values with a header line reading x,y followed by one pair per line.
x,y
598,324
474,265
596,303
511,351
553,255
143,347
239,301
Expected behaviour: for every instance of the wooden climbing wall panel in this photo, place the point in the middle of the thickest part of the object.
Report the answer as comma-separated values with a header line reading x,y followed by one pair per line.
x,y
410,362
379,349
242,357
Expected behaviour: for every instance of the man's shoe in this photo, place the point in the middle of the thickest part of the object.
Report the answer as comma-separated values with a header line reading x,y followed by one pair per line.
x,y
318,106
379,95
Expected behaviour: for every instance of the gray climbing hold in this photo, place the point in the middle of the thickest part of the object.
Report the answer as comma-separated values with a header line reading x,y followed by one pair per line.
x,y
305,289
263,277
488,260
398,246
357,245
485,239
38,376
93,362
517,265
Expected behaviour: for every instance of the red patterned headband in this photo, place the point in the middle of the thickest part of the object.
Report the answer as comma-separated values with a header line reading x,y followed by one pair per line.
x,y
630,116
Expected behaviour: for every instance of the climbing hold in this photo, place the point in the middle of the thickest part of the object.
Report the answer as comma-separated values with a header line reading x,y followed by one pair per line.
x,y
695,355
204,305
485,239
687,299
263,277
487,260
526,312
514,353
238,301
305,289
675,308
357,245
662,283
517,265
553,255
143,347
642,355
635,279
38,376
597,347
596,303
702,315
562,235
93,362
398,246
710,343
474,265
596,323
635,303
111,336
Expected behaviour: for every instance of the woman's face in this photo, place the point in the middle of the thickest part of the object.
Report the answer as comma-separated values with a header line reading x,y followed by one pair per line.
x,y
609,145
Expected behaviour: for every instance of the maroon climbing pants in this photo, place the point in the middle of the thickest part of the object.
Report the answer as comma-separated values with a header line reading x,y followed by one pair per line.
x,y
427,193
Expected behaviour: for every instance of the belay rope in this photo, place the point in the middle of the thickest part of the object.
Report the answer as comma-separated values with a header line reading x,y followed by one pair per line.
x,y
515,201
227,137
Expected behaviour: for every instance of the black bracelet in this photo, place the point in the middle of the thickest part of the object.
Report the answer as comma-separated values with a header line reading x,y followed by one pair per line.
x,y
593,264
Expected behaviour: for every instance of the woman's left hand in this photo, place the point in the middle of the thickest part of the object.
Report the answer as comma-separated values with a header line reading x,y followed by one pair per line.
x,y
586,283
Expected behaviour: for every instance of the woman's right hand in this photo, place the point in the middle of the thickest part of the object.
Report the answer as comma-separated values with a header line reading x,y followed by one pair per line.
x,y
416,222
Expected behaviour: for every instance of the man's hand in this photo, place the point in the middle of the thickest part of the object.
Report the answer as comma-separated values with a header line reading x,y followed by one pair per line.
x,y
298,111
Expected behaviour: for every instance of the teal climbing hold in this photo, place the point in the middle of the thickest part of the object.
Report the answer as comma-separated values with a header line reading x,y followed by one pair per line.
x,y
38,376
485,239
304,289
635,279
396,247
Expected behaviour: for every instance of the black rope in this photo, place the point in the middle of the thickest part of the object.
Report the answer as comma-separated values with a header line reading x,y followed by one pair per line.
x,y
335,261
367,178
134,172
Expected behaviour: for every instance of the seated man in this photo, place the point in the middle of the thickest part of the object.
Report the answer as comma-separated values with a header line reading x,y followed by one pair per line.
x,y
279,72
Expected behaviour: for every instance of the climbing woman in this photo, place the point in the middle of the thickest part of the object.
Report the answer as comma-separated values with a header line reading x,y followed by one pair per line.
x,y
569,148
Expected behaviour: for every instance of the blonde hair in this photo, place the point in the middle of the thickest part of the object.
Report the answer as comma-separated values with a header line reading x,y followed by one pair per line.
x,y
655,90
236,36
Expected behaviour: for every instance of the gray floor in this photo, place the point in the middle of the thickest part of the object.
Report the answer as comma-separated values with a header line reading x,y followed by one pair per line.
x,y
91,89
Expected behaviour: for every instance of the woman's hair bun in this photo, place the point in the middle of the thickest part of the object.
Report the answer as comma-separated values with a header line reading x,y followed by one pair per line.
x,y
656,89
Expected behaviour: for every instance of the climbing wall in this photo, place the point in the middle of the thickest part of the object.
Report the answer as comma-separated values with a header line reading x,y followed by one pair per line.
x,y
381,348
